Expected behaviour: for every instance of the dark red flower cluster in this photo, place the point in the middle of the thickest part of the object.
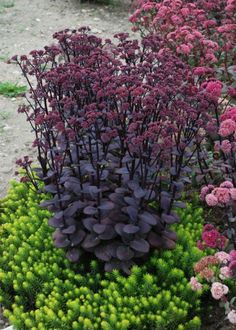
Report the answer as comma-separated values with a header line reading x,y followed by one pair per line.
x,y
212,238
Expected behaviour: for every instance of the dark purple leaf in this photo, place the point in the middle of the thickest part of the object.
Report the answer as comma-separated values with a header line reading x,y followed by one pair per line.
x,y
117,199
106,206
109,233
103,253
168,218
132,212
70,221
73,254
110,266
119,228
65,198
57,220
165,203
131,201
89,223
130,229
46,204
90,241
169,244
99,228
122,170
139,193
94,190
107,221
77,237
51,188
60,240
69,230
155,240
170,235
124,252
140,245
148,218
144,227
133,185
149,194
179,185
90,169
120,190
90,210
179,204
73,208
104,175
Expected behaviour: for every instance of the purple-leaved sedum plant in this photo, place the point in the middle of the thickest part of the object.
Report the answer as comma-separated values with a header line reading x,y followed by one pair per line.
x,y
115,127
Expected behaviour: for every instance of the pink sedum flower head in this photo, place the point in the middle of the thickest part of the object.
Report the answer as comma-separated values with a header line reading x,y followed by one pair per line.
x,y
226,146
227,127
226,184
232,255
214,88
218,290
223,257
222,195
232,316
225,272
211,200
195,285
232,192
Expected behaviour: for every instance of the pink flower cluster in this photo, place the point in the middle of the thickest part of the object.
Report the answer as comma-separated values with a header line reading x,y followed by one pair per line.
x,y
221,196
216,269
227,130
195,284
211,238
202,32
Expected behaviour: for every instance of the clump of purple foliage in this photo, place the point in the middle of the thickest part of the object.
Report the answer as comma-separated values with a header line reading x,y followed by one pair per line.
x,y
116,128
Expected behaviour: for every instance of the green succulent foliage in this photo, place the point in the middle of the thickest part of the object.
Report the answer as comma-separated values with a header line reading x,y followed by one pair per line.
x,y
41,289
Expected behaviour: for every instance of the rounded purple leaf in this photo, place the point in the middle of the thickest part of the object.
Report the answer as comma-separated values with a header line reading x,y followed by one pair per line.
x,y
140,245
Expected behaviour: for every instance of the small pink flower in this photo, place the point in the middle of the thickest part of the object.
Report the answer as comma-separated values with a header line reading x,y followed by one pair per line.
x,y
208,227
211,237
218,290
211,200
226,146
214,88
226,184
232,266
195,285
200,245
232,192
232,316
225,272
204,192
223,256
227,127
222,195
233,254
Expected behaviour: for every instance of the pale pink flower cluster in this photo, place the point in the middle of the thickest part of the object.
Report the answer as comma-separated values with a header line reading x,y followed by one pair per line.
x,y
218,290
221,196
195,285
227,127
232,316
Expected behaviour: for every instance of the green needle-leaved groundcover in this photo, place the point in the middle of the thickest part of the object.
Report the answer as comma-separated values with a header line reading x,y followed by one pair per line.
x,y
41,289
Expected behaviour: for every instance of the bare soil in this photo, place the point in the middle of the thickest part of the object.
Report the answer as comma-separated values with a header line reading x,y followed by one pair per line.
x,y
27,25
